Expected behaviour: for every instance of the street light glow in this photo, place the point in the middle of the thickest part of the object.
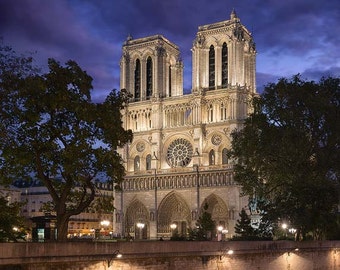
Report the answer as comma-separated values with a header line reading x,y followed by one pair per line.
x,y
105,223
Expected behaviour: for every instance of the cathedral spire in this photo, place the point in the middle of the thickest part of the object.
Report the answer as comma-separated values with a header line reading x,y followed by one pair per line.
x,y
233,14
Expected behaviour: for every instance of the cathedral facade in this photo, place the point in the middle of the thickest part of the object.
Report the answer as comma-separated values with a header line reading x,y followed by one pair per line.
x,y
177,164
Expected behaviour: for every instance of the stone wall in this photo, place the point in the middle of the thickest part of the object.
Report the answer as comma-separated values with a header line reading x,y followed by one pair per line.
x,y
169,255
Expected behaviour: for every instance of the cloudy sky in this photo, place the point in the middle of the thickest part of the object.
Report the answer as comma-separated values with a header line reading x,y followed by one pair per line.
x,y
292,36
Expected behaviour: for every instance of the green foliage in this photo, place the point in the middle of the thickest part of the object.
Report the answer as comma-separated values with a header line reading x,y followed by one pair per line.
x,y
54,132
288,153
12,225
205,226
243,227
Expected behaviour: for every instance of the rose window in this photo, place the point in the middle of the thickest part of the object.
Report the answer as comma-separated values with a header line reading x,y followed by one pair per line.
x,y
179,153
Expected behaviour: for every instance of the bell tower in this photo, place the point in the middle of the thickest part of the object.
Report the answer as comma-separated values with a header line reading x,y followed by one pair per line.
x,y
223,56
151,67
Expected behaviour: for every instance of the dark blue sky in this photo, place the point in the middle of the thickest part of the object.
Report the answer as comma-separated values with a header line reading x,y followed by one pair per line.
x,y
292,36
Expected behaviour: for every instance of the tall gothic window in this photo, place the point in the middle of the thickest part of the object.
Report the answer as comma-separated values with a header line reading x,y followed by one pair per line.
x,y
137,80
211,113
211,67
224,156
136,164
212,157
148,78
150,122
224,65
223,112
148,162
169,81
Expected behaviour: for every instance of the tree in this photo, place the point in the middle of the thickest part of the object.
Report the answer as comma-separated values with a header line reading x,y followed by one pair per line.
x,y
288,152
54,132
243,226
12,225
205,226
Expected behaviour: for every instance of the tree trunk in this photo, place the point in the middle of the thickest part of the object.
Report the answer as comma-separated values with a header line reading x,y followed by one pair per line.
x,y
62,227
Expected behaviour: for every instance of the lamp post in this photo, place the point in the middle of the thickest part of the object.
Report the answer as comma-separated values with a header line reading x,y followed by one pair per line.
x,y
140,226
173,227
219,233
284,227
116,255
104,224
154,159
224,233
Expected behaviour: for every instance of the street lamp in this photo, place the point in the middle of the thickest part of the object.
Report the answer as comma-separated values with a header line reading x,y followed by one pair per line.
x,y
219,233
284,227
116,255
104,224
140,226
173,227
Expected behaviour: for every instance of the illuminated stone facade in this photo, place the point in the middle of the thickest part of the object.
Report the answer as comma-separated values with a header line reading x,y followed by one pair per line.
x,y
177,162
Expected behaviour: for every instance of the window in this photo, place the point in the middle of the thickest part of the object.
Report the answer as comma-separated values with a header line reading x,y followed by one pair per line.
x,y
211,113
212,157
179,153
137,80
223,112
224,156
150,122
148,162
211,67
224,65
148,78
169,81
137,163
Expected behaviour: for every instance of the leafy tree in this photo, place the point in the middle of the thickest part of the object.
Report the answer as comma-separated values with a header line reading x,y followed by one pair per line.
x,y
54,132
288,152
12,225
243,226
205,226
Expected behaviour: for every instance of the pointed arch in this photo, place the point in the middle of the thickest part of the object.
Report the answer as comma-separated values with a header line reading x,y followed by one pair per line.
x,y
170,81
210,113
224,156
136,164
136,212
212,157
148,162
224,65
137,80
149,77
218,209
211,67
173,209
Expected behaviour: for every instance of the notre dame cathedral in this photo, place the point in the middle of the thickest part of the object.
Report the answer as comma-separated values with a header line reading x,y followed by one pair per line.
x,y
177,164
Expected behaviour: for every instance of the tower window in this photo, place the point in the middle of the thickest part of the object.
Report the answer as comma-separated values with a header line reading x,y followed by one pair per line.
x,y
211,113
148,162
211,67
137,80
137,163
224,156
169,81
149,78
223,112
212,157
224,65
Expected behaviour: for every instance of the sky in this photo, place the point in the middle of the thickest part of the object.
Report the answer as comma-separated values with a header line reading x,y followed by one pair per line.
x,y
291,36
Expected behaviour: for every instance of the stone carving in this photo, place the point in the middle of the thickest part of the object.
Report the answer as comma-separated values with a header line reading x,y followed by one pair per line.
x,y
216,139
140,146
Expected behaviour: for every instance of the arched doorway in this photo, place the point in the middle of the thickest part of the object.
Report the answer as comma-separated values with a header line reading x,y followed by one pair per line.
x,y
219,212
137,221
173,210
